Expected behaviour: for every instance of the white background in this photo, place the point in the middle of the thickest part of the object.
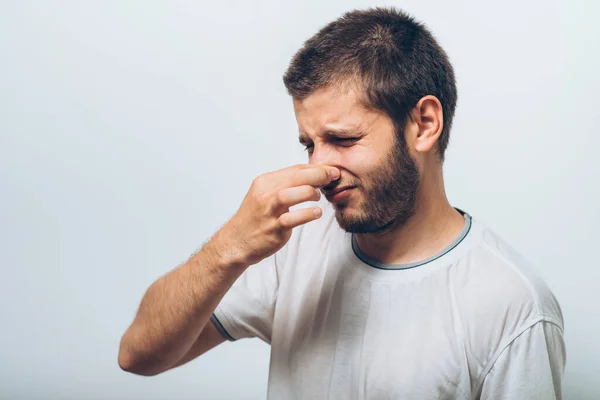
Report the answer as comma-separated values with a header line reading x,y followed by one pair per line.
x,y
130,131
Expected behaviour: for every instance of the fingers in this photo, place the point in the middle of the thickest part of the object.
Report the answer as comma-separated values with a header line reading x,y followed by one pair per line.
x,y
319,175
296,175
295,218
291,196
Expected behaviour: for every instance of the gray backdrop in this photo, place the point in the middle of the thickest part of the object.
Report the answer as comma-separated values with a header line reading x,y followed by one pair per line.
x,y
130,131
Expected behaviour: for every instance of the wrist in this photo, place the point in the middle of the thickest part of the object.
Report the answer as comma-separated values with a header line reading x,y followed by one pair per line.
x,y
224,253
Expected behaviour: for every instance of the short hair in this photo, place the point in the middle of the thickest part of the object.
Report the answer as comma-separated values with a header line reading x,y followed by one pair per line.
x,y
393,59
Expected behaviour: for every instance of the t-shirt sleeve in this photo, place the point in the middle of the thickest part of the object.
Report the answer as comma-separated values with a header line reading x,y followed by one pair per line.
x,y
248,307
530,367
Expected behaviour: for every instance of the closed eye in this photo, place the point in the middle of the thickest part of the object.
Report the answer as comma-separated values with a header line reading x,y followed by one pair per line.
x,y
345,141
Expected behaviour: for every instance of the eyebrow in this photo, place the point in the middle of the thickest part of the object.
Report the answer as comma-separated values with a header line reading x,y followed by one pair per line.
x,y
333,133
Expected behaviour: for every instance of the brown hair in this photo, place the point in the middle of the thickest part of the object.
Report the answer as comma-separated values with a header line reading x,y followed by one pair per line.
x,y
393,59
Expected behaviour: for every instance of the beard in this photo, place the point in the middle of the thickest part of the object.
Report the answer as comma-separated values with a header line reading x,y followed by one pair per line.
x,y
389,194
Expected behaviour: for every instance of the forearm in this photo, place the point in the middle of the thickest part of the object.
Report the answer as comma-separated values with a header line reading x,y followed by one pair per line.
x,y
175,309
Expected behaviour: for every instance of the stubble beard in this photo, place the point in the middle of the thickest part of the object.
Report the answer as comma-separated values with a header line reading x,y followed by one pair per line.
x,y
389,195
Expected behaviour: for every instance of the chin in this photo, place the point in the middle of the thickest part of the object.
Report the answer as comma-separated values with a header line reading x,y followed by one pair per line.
x,y
348,217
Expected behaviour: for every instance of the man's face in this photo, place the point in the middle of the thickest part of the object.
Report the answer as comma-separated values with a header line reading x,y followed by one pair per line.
x,y
376,167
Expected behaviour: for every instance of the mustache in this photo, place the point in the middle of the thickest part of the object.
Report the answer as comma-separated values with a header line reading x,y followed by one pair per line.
x,y
338,184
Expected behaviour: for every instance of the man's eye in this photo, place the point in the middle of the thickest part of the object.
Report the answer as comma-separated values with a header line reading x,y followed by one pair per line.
x,y
340,141
346,141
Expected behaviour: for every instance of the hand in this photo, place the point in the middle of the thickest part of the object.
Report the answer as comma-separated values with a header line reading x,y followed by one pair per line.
x,y
263,224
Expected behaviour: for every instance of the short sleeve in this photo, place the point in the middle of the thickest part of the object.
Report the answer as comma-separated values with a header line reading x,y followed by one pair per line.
x,y
248,307
530,367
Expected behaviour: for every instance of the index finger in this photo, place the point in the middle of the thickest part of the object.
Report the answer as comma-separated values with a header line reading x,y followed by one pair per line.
x,y
317,176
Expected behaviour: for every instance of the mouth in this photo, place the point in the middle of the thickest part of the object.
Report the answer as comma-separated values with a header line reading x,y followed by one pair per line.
x,y
338,194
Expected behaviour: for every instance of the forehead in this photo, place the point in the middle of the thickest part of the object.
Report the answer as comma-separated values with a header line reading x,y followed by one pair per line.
x,y
333,109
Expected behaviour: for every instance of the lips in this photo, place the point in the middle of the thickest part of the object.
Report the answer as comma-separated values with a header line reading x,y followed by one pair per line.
x,y
330,193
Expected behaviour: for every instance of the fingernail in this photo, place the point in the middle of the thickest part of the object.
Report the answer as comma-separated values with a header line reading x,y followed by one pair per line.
x,y
334,173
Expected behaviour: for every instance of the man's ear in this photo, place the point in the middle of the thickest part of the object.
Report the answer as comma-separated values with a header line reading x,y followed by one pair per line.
x,y
427,119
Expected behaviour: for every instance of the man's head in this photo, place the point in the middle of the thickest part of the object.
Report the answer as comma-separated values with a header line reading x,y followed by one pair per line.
x,y
373,93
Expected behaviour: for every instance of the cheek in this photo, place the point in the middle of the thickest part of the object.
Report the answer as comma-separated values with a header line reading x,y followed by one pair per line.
x,y
360,163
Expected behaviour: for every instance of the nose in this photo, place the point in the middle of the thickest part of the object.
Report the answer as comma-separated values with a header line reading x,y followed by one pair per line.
x,y
323,155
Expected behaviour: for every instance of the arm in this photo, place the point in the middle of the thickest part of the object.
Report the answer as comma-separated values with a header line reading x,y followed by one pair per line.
x,y
169,327
208,339
175,311
530,367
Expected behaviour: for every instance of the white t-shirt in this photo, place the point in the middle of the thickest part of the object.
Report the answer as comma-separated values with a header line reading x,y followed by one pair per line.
x,y
473,322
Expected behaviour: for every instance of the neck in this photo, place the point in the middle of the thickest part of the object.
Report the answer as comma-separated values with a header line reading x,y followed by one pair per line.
x,y
432,227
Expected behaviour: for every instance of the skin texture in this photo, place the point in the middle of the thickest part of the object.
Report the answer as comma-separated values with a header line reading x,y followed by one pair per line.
x,y
398,198
375,161
171,326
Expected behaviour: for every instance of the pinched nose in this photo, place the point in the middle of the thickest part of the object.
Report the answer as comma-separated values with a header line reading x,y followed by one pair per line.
x,y
323,154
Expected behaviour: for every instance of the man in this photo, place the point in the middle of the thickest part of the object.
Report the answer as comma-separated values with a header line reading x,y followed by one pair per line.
x,y
385,290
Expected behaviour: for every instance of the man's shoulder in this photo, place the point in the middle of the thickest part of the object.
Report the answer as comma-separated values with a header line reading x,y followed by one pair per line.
x,y
504,279
499,294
